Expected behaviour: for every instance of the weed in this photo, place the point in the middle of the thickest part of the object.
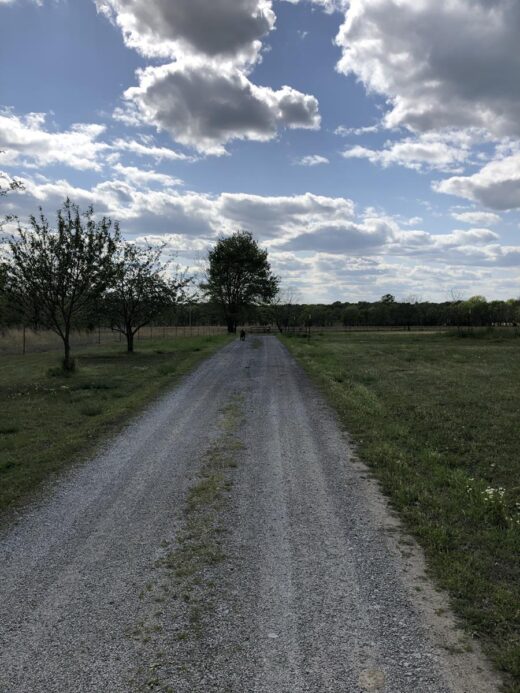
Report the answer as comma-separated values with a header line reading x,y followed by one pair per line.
x,y
91,410
8,430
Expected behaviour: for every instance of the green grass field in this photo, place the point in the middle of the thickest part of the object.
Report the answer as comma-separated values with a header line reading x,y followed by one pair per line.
x,y
48,421
437,419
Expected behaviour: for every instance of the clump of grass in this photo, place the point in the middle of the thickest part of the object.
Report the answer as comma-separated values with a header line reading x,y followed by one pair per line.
x,y
98,385
486,333
8,430
199,545
59,372
436,419
91,410
166,369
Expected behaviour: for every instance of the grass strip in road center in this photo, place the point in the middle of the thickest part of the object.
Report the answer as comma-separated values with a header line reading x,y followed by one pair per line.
x,y
436,418
48,420
180,602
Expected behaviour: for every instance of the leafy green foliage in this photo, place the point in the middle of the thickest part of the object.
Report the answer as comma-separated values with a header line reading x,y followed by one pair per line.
x,y
239,276
57,275
139,290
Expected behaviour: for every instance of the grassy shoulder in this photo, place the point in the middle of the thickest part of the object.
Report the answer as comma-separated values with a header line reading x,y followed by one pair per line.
x,y
436,417
48,420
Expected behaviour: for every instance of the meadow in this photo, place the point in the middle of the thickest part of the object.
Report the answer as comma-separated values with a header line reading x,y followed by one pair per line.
x,y
49,420
436,418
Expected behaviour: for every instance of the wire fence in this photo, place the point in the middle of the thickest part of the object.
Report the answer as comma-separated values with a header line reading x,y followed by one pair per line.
x,y
21,340
25,340
338,329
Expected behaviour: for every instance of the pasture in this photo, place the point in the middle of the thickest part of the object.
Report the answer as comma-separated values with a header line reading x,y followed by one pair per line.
x,y
436,418
48,419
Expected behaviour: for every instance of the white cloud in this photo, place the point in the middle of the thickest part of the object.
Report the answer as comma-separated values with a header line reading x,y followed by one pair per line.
x,y
146,147
204,98
344,238
344,131
230,29
279,218
481,218
428,151
141,176
25,140
496,185
205,105
312,160
440,64
317,243
460,237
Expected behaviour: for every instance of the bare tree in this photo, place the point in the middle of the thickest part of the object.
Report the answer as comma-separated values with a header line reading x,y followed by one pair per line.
x,y
282,307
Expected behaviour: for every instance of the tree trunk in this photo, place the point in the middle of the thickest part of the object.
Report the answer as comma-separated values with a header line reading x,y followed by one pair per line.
x,y
129,340
231,325
68,362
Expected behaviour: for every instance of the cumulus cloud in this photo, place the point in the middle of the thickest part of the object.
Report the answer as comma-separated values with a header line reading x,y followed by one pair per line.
x,y
279,218
148,203
166,29
205,106
429,151
460,237
439,64
318,243
312,160
140,176
204,98
480,218
496,185
26,140
344,238
344,131
147,148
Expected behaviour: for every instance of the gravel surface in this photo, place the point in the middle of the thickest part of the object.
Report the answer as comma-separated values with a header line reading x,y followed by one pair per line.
x,y
312,593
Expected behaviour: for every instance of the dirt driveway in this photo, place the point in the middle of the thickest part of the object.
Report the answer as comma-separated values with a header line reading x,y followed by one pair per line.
x,y
227,540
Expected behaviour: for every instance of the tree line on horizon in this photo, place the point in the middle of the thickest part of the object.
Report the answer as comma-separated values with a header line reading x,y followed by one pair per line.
x,y
287,315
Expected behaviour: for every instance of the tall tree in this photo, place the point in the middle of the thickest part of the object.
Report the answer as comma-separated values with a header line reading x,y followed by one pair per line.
x,y
58,273
238,276
140,291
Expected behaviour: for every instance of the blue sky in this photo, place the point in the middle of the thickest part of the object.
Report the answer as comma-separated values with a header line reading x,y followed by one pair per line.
x,y
372,146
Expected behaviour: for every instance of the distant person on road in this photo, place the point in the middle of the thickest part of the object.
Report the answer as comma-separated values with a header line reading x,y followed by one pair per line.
x,y
242,335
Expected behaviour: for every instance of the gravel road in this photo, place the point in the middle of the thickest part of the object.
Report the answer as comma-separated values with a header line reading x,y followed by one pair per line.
x,y
312,593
